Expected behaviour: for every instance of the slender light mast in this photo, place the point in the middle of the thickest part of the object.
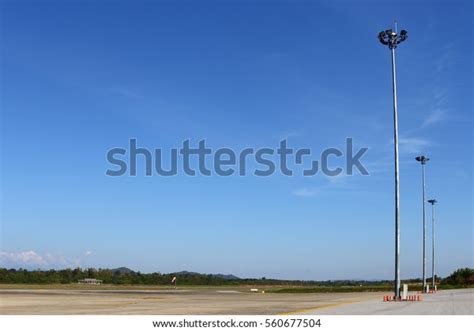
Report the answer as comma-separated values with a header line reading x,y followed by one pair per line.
x,y
433,201
423,159
391,39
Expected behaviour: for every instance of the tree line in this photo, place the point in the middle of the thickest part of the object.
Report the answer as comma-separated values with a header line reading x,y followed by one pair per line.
x,y
461,277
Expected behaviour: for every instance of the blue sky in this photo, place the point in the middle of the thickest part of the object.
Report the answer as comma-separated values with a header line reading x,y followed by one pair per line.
x,y
78,78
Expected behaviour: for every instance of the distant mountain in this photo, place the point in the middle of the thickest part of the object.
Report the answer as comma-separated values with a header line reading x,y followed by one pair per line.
x,y
190,273
229,276
125,270
122,270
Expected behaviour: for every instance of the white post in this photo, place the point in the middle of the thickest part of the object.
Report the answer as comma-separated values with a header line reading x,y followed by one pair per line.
x,y
405,292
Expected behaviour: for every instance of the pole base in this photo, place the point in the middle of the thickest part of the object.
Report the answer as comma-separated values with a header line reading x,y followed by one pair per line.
x,y
392,298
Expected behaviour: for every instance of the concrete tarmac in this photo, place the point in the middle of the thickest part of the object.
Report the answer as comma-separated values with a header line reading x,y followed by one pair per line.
x,y
449,302
212,301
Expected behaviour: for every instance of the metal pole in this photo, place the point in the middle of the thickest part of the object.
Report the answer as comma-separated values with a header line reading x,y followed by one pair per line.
x,y
397,185
392,39
433,248
424,227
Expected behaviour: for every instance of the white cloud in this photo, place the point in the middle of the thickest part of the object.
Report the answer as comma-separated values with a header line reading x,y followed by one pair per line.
x,y
32,260
434,117
87,253
22,258
413,145
125,92
306,192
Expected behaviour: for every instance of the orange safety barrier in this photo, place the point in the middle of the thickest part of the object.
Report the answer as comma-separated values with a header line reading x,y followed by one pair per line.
x,y
388,298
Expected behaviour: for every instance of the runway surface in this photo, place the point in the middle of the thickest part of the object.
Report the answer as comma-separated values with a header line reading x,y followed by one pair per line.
x,y
220,302
451,302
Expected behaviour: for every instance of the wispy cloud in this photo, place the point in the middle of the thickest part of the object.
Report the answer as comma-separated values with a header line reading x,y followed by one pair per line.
x,y
130,93
32,260
445,58
380,165
27,258
125,92
307,192
434,103
412,145
438,102
332,185
434,117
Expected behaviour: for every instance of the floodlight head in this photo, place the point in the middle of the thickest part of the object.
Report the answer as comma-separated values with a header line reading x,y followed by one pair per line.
x,y
383,38
422,159
432,201
403,36
391,38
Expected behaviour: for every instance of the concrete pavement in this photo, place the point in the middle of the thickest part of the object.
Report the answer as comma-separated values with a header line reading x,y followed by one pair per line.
x,y
448,302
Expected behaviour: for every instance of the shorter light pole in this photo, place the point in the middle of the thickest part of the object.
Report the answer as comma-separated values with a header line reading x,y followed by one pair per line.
x,y
423,159
433,201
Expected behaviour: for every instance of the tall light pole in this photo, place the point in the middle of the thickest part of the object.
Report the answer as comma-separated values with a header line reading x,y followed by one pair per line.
x,y
392,39
423,159
433,201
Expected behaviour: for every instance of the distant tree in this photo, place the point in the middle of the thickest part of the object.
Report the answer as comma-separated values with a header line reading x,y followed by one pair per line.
x,y
461,277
